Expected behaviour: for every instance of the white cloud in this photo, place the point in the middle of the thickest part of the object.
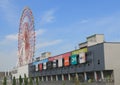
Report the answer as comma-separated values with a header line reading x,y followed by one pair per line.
x,y
48,17
50,43
12,37
9,40
39,32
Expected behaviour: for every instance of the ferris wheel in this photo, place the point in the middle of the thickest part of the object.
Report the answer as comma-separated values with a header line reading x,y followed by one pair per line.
x,y
26,38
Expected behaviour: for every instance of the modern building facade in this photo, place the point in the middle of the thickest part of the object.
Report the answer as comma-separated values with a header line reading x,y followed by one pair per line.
x,y
95,60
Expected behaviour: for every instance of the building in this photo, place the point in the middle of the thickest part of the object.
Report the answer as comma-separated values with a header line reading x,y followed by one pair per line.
x,y
95,60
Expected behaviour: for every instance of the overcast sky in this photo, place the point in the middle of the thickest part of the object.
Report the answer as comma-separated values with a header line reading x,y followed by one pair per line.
x,y
60,25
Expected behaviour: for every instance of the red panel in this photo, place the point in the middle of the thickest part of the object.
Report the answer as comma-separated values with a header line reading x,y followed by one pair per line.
x,y
40,67
58,57
66,54
62,55
50,58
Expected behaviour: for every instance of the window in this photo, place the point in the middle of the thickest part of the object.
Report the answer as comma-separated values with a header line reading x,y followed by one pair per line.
x,y
98,61
88,64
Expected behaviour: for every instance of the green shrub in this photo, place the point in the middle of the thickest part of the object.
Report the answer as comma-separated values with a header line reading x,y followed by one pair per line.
x,y
90,81
25,80
37,81
20,80
30,81
14,81
4,81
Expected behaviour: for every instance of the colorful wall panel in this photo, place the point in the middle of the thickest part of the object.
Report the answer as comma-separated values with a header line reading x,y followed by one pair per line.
x,y
66,61
79,51
40,66
44,66
82,58
60,64
73,59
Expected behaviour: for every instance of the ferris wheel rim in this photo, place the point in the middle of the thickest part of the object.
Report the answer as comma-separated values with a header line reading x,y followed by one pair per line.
x,y
30,30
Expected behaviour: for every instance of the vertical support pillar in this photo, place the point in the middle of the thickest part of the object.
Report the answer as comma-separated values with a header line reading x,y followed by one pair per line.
x,y
42,78
102,75
38,79
69,77
51,78
62,77
76,75
5,73
95,76
8,72
56,78
85,76
46,78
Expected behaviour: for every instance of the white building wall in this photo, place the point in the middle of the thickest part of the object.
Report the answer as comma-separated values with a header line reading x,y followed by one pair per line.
x,y
112,59
21,71
112,55
99,38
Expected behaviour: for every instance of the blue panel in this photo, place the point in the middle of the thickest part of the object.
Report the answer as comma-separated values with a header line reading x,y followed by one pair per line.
x,y
41,61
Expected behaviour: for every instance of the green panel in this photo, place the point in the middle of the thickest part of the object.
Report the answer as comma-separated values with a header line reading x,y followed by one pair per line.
x,y
74,59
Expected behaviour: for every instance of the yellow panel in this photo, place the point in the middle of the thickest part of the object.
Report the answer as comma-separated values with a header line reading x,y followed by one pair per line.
x,y
79,51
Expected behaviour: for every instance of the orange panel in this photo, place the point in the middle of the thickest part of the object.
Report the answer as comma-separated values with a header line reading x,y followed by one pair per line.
x,y
66,61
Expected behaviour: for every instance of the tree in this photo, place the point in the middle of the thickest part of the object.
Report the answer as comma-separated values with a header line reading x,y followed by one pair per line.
x,y
37,81
77,82
25,80
30,81
20,80
5,82
14,81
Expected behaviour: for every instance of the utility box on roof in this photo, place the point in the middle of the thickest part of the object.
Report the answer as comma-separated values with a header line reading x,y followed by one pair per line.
x,y
95,39
45,55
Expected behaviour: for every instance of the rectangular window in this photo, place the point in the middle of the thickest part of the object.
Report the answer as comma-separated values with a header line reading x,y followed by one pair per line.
x,y
98,61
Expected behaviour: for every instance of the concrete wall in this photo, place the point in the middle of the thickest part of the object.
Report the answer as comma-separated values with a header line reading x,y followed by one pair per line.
x,y
21,71
96,53
112,59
